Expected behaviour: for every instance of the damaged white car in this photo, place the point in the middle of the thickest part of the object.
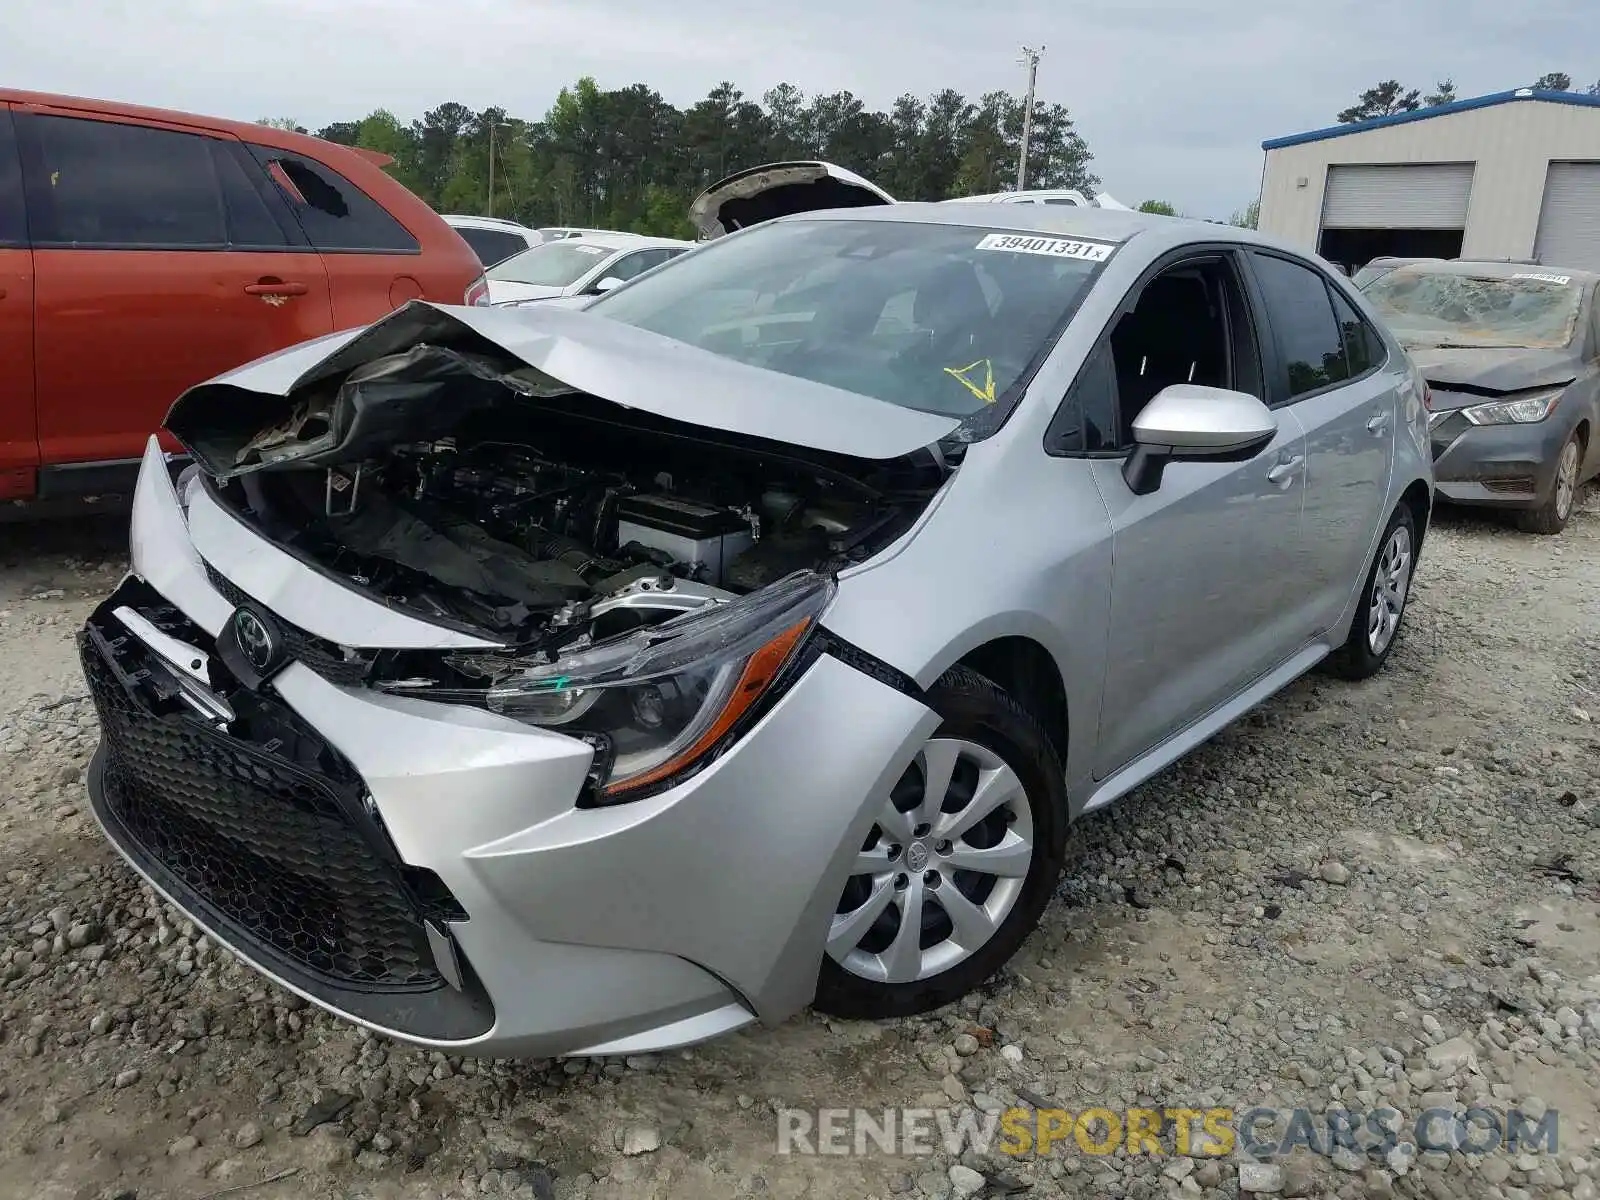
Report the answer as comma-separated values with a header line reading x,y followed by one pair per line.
x,y
539,681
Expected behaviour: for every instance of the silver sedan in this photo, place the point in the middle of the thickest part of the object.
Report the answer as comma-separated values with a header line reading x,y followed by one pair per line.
x,y
555,681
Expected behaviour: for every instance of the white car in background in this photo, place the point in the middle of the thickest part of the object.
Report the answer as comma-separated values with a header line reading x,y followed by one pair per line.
x,y
1067,196
585,265
492,238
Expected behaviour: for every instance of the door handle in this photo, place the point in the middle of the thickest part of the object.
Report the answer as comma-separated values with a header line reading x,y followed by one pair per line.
x,y
1287,469
1379,424
274,287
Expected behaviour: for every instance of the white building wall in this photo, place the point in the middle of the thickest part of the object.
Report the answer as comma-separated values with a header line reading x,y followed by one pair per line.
x,y
1512,143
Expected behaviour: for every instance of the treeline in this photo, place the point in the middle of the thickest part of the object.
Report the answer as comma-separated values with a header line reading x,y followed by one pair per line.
x,y
627,159
1391,97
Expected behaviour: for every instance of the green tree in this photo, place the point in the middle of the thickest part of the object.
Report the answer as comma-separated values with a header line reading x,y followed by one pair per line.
x,y
1385,99
1159,207
1553,81
1248,216
1444,92
287,124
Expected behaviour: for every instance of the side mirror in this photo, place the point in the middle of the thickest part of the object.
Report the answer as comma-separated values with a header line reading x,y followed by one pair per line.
x,y
606,284
1188,422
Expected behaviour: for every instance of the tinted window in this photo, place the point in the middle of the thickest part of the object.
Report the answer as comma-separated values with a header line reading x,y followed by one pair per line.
x,y
1362,348
335,213
1301,315
1062,200
107,184
638,264
491,245
827,301
251,224
13,217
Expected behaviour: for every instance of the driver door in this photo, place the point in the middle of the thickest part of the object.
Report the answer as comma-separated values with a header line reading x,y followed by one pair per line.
x,y
1208,586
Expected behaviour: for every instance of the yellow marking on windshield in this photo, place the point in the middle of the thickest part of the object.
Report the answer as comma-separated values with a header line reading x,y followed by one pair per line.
x,y
984,393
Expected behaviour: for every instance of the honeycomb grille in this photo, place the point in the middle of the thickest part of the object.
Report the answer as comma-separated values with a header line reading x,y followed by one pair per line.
x,y
269,849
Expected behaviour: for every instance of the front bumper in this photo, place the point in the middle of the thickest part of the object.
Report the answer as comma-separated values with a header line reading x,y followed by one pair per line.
x,y
439,848
1504,466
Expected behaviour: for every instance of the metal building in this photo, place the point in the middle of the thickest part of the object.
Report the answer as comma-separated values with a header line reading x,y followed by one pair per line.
x,y
1515,175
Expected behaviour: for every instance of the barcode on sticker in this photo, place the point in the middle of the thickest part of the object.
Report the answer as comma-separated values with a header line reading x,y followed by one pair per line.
x,y
1542,277
1018,243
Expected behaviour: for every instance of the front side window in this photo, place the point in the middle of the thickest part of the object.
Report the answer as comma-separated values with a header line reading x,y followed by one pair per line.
x,y
106,184
943,318
1301,314
553,264
1429,308
336,214
13,214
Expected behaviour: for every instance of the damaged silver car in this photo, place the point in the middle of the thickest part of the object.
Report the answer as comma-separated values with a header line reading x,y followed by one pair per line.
x,y
548,681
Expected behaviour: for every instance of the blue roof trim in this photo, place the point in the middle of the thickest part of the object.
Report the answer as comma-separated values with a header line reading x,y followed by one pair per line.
x,y
1579,99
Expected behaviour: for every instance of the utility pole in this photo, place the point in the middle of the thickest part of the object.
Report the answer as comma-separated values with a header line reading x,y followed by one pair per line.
x,y
1029,59
491,168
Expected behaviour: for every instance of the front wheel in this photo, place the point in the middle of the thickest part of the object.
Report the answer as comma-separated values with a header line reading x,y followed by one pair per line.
x,y
1377,620
962,858
1551,517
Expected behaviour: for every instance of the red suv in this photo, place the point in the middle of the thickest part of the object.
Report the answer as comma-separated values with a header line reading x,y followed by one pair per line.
x,y
144,251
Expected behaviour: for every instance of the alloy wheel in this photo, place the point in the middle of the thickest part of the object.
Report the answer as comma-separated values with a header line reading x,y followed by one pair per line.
x,y
941,868
1389,585
1566,479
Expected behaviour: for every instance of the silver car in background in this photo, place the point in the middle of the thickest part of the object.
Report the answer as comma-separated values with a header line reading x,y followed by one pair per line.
x,y
548,681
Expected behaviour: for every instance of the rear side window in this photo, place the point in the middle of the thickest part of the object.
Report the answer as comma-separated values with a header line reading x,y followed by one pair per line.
x,y
13,214
335,213
1301,314
1362,347
251,223
491,245
105,184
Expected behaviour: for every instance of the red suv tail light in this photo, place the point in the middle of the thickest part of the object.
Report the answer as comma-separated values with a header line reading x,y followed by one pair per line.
x,y
478,292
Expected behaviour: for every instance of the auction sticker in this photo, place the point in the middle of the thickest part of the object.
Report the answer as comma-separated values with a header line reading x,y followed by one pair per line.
x,y
1542,277
1019,243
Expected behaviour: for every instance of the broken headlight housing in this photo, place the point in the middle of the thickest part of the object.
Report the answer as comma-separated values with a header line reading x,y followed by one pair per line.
x,y
1524,410
659,700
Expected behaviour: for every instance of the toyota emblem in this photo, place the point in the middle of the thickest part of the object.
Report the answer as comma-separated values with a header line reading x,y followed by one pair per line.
x,y
255,639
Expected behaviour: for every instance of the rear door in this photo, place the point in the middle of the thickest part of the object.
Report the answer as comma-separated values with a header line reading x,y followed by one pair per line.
x,y
372,259
1329,372
19,443
158,264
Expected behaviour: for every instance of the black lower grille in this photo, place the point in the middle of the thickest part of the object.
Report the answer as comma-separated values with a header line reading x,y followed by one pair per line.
x,y
259,826
338,664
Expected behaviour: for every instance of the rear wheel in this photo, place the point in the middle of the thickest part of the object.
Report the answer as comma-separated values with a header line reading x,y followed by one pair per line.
x,y
1552,516
1383,604
960,862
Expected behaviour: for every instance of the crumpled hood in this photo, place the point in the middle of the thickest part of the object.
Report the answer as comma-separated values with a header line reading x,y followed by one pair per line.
x,y
331,399
1494,371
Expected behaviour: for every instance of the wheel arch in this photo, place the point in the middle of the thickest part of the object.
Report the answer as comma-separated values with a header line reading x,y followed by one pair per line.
x,y
1025,670
1418,497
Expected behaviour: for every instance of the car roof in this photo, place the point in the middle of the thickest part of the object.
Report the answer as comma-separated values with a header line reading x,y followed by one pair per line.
x,y
1104,224
264,135
484,222
621,241
1489,269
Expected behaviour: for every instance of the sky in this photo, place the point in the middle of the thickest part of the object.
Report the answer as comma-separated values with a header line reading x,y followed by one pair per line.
x,y
1173,99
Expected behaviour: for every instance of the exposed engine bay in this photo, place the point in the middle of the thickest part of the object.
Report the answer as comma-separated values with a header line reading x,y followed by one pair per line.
x,y
532,523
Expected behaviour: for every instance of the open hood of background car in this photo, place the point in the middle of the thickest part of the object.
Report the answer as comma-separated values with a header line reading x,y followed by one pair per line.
x,y
413,374
759,194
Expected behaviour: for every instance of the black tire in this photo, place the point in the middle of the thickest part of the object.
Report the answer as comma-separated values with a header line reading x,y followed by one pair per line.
x,y
975,710
1356,659
1548,519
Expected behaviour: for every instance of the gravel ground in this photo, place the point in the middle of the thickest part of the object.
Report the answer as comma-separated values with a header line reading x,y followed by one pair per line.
x,y
1357,896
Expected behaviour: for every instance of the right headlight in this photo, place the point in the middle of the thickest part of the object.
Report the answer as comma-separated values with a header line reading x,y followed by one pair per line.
x,y
660,700
1524,410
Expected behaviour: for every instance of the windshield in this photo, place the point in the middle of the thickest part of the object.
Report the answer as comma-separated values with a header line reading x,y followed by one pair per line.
x,y
941,318
1426,309
555,264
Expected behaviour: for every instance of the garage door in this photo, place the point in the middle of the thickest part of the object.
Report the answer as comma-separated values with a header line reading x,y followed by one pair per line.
x,y
1402,196
1569,222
